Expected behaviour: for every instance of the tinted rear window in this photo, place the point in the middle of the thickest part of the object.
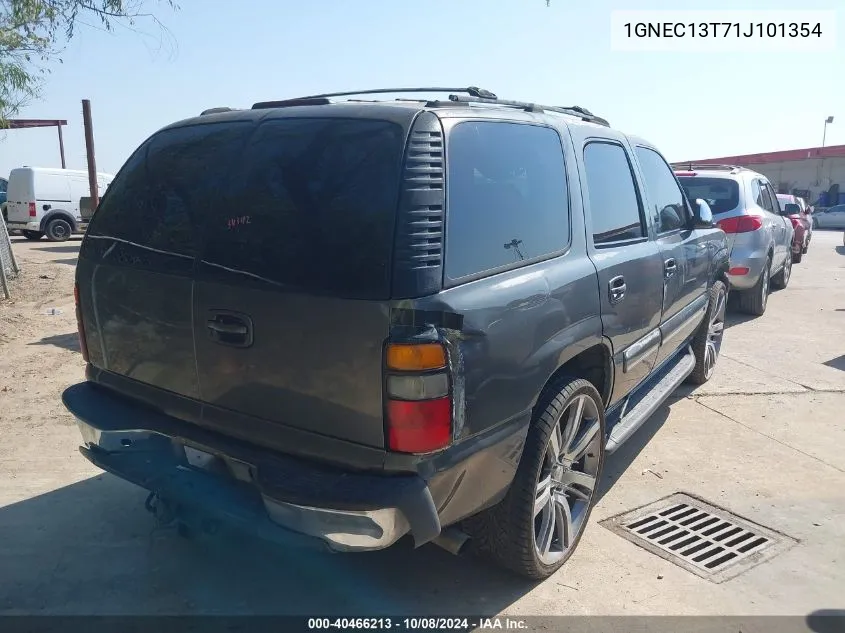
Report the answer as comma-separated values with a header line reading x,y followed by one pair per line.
x,y
722,194
311,206
507,196
307,204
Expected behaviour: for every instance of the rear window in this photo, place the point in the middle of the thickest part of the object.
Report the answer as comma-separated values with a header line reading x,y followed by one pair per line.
x,y
306,204
507,196
311,206
721,194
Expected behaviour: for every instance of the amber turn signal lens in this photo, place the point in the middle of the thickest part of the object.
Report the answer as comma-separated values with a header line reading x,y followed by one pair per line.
x,y
416,357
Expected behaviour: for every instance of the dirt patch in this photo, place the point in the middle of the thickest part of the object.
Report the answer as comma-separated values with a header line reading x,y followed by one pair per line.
x,y
39,348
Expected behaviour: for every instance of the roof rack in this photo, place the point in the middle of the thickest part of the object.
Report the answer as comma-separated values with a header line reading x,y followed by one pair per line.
x,y
456,95
216,110
323,99
576,111
715,167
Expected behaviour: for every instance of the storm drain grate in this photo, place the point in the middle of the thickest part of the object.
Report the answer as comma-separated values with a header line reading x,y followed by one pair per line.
x,y
703,539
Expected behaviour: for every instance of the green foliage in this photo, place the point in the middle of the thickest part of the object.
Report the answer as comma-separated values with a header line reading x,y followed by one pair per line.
x,y
33,33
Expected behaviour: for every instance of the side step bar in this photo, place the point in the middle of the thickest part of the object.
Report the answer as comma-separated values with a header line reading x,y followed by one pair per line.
x,y
637,416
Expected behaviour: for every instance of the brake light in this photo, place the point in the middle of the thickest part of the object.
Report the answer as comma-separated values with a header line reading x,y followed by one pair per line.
x,y
795,219
686,173
32,212
738,270
741,224
418,408
83,344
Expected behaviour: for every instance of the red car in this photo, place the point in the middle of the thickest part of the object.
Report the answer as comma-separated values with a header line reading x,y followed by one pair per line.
x,y
801,221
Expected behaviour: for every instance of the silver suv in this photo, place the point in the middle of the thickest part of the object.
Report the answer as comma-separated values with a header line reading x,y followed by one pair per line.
x,y
746,208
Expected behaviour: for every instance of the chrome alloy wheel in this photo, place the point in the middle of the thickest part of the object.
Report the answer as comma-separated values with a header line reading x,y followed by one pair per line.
x,y
567,480
715,330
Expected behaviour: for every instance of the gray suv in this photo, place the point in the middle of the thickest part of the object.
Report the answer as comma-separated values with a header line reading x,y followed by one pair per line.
x,y
339,323
746,208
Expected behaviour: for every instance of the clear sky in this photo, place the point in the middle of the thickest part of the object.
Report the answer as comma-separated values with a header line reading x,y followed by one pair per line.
x,y
237,52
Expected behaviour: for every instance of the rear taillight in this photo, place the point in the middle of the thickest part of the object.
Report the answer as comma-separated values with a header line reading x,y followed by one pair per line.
x,y
83,344
32,212
419,405
741,224
796,220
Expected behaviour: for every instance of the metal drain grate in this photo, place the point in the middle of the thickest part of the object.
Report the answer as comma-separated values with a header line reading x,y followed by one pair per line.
x,y
708,541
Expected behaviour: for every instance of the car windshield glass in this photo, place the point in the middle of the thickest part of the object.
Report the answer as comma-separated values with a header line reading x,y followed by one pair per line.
x,y
722,194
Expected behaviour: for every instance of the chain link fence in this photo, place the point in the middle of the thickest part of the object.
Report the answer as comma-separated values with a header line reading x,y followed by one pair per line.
x,y
8,266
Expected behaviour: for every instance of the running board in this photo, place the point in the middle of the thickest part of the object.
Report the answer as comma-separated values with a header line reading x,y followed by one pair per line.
x,y
644,409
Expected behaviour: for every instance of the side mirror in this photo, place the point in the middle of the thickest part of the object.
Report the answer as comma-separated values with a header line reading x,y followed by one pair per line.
x,y
702,215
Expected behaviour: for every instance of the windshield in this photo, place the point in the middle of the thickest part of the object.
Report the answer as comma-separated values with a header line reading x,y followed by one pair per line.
x,y
722,194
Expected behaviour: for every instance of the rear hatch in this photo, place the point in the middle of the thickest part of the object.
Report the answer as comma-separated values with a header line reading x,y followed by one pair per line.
x,y
20,195
721,193
246,266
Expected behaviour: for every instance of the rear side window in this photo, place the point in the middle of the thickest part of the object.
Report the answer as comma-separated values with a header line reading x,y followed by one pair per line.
x,y
508,200
721,194
310,205
614,203
154,206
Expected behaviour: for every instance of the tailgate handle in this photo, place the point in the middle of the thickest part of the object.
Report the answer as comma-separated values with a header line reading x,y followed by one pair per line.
x,y
230,328
227,328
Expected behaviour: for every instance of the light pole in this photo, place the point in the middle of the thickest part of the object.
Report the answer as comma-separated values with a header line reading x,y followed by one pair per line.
x,y
826,121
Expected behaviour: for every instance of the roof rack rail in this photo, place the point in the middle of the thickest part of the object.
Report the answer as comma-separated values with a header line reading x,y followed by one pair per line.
x,y
322,99
216,110
576,111
714,166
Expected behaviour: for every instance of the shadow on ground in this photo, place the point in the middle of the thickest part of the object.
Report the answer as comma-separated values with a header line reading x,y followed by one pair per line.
x,y
840,250
67,341
60,248
70,261
90,548
836,363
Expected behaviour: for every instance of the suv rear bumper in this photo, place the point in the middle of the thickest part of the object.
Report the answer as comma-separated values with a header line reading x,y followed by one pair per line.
x,y
278,497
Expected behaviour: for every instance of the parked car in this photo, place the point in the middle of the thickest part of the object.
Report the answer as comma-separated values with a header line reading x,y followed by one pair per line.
x,y
3,186
45,201
745,206
830,218
793,209
365,338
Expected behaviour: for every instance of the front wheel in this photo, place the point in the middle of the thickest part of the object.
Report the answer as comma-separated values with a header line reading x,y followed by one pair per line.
x,y
754,301
708,340
536,527
781,280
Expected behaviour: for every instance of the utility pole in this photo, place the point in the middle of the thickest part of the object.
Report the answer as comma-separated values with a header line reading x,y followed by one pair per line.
x,y
826,121
89,150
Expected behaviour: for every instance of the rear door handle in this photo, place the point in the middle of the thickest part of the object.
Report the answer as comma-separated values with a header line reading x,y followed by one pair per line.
x,y
670,267
617,289
230,328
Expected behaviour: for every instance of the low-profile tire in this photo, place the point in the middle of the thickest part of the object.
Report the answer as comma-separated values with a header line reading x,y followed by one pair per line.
x,y
537,526
33,235
755,300
781,280
58,230
707,342
797,257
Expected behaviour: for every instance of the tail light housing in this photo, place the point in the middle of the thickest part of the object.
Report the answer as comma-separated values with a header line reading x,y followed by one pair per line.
x,y
32,211
83,344
741,224
795,219
418,409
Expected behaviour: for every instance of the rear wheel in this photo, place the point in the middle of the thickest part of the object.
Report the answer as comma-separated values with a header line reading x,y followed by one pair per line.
x,y
33,235
781,280
797,257
536,527
708,340
754,301
58,230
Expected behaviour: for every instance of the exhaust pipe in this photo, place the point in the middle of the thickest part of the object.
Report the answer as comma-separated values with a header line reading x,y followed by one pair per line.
x,y
452,540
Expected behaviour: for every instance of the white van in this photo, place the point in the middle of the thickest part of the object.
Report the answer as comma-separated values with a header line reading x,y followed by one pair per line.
x,y
45,201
